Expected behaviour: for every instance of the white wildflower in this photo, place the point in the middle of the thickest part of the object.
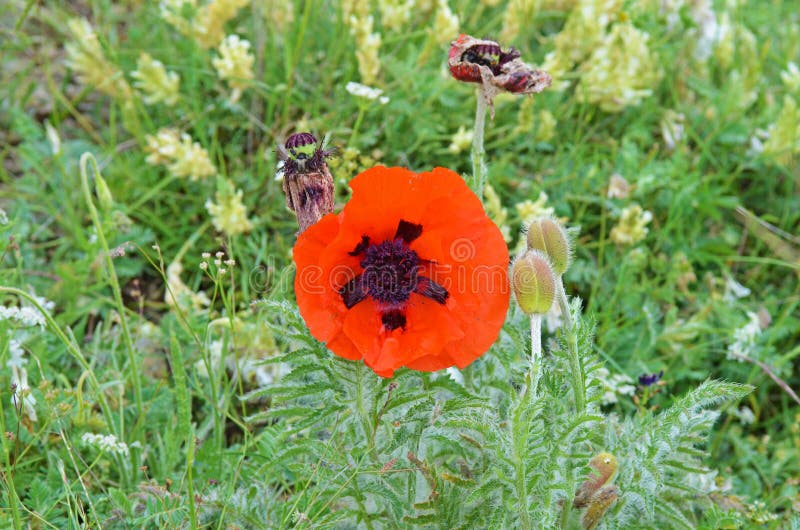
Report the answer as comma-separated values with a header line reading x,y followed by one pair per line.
x,y
366,92
52,137
106,443
618,187
3,217
22,392
744,338
734,290
614,385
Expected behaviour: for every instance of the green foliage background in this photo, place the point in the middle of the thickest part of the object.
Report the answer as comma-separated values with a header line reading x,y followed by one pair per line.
x,y
327,446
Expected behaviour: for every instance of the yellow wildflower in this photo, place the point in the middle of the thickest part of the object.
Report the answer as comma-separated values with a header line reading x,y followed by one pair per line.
x,y
529,210
395,13
367,45
461,140
784,134
182,157
621,72
632,225
205,24
234,64
445,25
228,214
85,56
158,85
496,211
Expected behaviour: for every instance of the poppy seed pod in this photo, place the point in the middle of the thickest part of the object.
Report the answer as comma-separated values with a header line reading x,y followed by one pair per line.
x,y
534,282
548,236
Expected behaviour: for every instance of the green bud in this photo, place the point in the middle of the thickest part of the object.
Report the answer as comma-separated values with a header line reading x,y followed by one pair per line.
x,y
534,282
104,197
548,236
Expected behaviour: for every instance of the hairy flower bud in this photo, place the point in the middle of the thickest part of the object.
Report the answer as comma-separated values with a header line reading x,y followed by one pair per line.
x,y
599,505
534,282
548,236
603,465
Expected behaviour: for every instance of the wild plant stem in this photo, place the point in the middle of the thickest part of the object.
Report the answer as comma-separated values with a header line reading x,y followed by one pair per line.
x,y
563,303
87,158
576,370
536,352
479,170
519,435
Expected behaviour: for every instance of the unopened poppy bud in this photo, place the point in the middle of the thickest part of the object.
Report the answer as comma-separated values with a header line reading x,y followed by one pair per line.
x,y
599,505
534,283
603,465
307,181
548,236
104,197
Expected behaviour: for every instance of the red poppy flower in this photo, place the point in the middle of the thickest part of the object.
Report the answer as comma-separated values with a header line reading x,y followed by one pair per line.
x,y
411,273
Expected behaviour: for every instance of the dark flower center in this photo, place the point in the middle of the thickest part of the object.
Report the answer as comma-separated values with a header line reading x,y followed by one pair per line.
x,y
390,275
390,271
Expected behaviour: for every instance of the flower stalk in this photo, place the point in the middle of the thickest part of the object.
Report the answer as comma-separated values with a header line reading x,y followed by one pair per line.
x,y
479,169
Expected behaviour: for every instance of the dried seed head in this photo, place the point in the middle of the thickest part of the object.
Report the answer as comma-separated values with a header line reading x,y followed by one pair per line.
x,y
548,236
534,282
307,181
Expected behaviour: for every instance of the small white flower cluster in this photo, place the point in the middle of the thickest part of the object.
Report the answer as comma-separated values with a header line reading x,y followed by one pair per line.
x,y
106,443
744,338
734,290
366,92
218,263
19,380
26,316
3,217
614,385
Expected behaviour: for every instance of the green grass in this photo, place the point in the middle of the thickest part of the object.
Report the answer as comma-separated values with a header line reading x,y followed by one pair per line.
x,y
116,359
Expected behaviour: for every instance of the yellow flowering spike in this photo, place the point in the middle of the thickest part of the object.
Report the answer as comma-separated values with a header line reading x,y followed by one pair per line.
x,y
632,225
604,466
367,45
621,72
228,213
234,63
85,56
153,80
784,135
182,157
534,283
445,25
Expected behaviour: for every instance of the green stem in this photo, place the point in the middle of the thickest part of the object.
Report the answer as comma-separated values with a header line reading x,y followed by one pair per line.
x,y
519,435
536,351
479,170
563,303
86,158
576,370
8,473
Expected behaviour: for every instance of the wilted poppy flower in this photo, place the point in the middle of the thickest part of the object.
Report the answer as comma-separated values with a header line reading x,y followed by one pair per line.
x,y
411,273
484,61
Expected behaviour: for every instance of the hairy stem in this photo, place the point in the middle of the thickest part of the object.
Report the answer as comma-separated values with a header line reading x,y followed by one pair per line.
x,y
536,352
563,303
478,179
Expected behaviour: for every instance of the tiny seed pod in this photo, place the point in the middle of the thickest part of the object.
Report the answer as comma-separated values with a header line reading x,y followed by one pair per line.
x,y
534,283
548,236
